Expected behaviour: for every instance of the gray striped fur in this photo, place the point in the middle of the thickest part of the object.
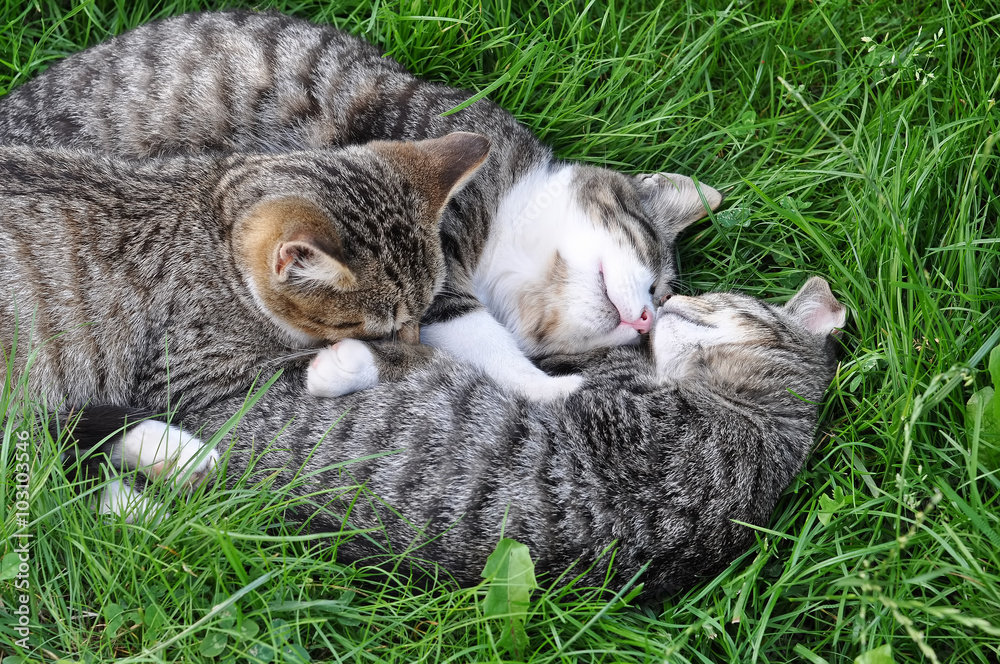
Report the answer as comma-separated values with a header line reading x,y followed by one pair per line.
x,y
131,281
660,460
243,81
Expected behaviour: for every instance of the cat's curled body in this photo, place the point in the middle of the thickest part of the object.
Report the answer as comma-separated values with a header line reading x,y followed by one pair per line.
x,y
565,257
661,455
125,282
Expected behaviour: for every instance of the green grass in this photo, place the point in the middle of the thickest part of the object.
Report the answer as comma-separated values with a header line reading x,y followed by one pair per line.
x,y
872,163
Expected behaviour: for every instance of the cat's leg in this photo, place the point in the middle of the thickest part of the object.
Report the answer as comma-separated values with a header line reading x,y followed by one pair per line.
x,y
155,448
158,449
351,365
477,338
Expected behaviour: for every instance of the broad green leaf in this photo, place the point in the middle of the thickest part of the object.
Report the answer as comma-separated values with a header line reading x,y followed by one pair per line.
x,y
734,216
295,654
745,125
828,506
133,618
995,375
981,408
880,655
213,644
248,629
227,617
280,629
114,618
154,618
514,639
511,577
8,566
260,653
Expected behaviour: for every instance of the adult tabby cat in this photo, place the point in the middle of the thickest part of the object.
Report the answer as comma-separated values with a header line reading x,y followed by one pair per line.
x,y
565,257
662,454
129,281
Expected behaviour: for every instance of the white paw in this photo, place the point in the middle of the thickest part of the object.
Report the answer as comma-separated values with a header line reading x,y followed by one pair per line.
x,y
550,388
345,367
158,449
118,498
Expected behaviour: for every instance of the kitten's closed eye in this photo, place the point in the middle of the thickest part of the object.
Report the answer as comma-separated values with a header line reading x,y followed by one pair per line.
x,y
687,317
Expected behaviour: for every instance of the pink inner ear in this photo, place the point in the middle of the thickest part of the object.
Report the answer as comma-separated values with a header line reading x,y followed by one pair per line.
x,y
288,253
816,307
823,320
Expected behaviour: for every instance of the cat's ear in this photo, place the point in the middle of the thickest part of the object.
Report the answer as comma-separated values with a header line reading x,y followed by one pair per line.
x,y
291,239
309,258
672,201
816,307
439,167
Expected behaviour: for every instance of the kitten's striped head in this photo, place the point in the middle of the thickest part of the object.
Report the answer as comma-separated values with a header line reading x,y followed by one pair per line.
x,y
610,243
345,243
738,344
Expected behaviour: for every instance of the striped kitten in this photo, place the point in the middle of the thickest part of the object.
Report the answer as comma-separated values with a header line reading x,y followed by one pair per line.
x,y
565,257
131,281
663,455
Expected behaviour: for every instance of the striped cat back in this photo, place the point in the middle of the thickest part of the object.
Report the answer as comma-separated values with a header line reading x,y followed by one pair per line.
x,y
667,461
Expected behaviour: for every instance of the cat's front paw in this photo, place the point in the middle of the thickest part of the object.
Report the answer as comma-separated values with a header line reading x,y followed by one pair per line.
x,y
551,388
345,367
158,449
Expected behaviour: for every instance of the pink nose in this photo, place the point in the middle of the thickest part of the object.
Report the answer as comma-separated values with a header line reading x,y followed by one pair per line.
x,y
642,323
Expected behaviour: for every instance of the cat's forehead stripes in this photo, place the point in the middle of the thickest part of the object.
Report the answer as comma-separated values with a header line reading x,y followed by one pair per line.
x,y
611,200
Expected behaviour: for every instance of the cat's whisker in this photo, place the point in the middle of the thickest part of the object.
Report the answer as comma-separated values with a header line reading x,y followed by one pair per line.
x,y
292,356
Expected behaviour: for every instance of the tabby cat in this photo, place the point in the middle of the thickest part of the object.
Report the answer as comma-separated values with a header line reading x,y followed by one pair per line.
x,y
565,257
129,281
663,454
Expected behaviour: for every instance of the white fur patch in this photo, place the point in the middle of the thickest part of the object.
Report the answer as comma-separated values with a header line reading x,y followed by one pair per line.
x,y
478,339
345,367
158,449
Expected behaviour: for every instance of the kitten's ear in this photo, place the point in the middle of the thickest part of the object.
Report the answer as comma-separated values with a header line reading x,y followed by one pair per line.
x,y
439,166
307,257
291,239
816,308
672,201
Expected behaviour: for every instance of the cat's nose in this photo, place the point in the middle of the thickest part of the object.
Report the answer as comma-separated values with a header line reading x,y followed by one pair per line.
x,y
642,323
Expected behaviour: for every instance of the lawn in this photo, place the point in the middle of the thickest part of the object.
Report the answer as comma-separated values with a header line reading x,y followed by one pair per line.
x,y
852,140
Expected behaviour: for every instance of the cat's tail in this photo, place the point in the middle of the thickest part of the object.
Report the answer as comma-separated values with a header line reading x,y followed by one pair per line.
x,y
96,431
120,439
